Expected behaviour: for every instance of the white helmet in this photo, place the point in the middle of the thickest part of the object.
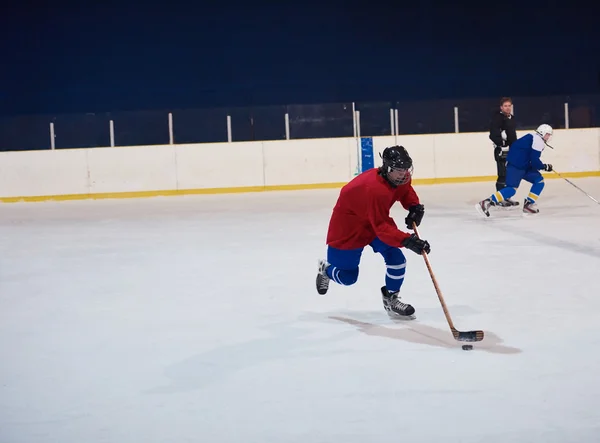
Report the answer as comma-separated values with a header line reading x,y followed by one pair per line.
x,y
544,129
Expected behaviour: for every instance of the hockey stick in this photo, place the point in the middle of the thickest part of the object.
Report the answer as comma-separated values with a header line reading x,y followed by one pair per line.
x,y
573,184
458,335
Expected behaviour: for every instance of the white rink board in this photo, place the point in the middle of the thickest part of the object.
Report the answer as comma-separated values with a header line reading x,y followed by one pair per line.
x,y
299,162
219,165
131,169
264,164
34,173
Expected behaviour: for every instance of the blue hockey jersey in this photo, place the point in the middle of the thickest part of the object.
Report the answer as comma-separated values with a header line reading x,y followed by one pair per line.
x,y
525,152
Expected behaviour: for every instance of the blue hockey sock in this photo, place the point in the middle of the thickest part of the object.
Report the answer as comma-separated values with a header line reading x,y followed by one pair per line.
x,y
395,264
535,191
503,194
394,277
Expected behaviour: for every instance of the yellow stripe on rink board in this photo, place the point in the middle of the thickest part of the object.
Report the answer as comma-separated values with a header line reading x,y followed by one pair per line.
x,y
298,187
171,192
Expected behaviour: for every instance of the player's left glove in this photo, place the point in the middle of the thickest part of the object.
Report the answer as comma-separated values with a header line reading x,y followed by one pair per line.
x,y
548,167
415,214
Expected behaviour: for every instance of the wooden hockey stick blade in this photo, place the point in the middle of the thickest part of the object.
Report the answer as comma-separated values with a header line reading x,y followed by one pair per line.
x,y
469,336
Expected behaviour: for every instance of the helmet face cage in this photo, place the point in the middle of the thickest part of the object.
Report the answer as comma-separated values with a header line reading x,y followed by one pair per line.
x,y
399,176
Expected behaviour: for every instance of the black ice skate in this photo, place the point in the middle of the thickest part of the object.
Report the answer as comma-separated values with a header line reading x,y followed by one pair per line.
x,y
394,307
508,203
322,278
530,207
483,207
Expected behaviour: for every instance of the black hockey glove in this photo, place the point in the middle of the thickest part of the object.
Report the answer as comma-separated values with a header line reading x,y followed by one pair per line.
x,y
500,152
548,167
415,214
417,245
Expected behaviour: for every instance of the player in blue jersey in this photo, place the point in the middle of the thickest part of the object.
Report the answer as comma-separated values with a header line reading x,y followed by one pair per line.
x,y
523,163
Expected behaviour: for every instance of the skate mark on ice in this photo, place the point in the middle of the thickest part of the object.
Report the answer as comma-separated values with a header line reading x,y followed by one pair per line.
x,y
548,240
224,362
427,335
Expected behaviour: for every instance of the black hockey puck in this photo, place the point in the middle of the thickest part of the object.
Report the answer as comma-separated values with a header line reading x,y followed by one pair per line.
x,y
467,347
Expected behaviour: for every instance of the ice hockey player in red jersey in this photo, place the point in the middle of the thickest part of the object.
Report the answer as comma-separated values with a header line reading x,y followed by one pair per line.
x,y
361,217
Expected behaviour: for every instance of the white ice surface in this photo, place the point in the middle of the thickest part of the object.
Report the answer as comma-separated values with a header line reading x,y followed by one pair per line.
x,y
195,319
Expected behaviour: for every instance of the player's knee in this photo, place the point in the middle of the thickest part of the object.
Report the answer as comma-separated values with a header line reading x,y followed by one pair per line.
x,y
352,277
394,256
346,277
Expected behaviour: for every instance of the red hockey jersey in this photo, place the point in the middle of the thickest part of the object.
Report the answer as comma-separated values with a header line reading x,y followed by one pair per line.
x,y
362,212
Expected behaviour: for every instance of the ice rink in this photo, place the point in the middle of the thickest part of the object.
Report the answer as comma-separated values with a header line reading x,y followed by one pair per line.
x,y
196,319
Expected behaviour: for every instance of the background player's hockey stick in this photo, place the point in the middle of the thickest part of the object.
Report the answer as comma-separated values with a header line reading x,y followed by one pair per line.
x,y
573,184
458,335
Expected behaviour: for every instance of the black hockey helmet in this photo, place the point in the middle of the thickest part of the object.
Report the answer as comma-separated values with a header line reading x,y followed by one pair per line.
x,y
397,165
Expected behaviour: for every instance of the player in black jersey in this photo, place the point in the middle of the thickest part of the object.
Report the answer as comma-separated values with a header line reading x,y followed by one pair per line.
x,y
503,133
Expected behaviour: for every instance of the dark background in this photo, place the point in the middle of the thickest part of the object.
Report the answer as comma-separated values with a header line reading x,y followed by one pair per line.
x,y
80,65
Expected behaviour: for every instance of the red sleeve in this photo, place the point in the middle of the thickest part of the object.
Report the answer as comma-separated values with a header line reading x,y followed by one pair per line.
x,y
409,197
384,226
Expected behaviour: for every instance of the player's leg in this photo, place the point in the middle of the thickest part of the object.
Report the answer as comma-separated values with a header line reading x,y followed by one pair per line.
x,y
341,266
395,264
537,186
500,158
501,180
500,168
513,180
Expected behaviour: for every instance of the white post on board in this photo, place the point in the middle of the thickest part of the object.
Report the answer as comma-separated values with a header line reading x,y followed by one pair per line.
x,y
171,136
229,128
392,121
353,120
456,119
287,126
52,136
111,128
358,148
566,115
396,125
